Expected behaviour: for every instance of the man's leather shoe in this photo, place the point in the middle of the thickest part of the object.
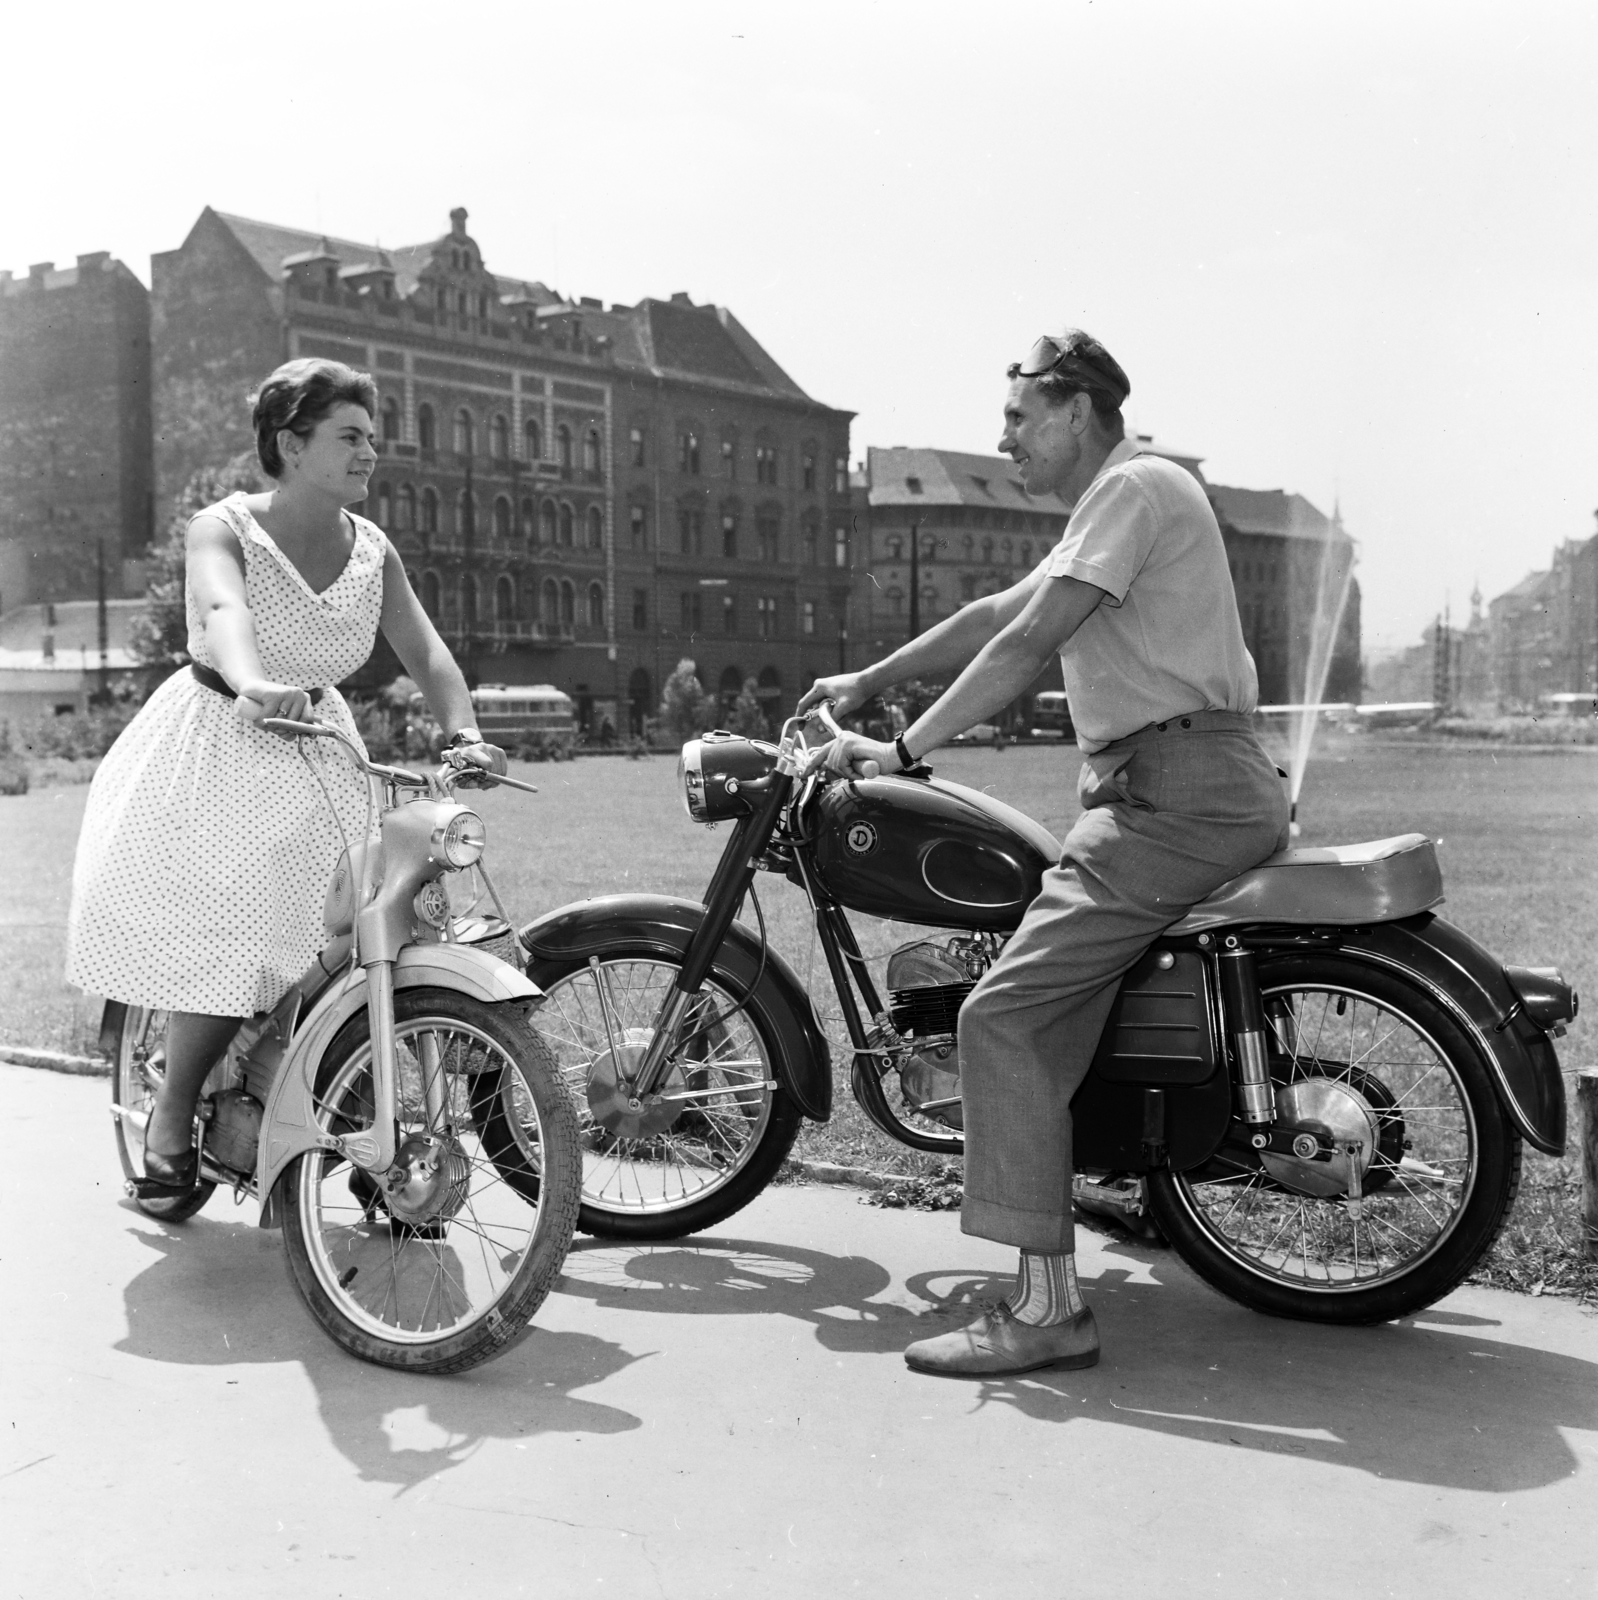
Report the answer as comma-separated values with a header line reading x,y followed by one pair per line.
x,y
996,1344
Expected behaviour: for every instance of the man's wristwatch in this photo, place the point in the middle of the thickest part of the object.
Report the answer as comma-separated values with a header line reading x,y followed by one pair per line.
x,y
463,736
905,761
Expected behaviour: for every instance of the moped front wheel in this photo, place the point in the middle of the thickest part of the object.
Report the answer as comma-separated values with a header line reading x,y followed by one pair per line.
x,y
723,1124
1372,1061
440,1263
137,1069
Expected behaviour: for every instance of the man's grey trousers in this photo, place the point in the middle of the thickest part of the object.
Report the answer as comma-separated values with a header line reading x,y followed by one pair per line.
x,y
1170,813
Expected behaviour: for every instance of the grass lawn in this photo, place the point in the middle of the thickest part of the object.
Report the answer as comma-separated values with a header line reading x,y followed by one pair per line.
x,y
1515,832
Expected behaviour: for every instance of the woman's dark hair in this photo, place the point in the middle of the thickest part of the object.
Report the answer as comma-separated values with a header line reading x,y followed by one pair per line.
x,y
297,396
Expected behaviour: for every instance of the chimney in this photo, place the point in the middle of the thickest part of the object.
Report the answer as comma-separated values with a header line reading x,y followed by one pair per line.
x,y
95,261
39,271
457,222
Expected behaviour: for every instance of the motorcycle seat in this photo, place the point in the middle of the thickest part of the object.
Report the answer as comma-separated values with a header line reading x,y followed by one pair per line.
x,y
1341,885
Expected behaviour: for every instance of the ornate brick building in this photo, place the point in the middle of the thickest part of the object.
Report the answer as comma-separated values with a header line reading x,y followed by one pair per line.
x,y
582,495
75,484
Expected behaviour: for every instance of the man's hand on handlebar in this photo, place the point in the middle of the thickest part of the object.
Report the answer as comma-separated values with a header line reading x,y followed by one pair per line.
x,y
843,689
852,755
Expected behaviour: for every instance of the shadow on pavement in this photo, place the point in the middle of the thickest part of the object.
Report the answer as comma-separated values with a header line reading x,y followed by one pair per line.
x,y
218,1292
1427,1400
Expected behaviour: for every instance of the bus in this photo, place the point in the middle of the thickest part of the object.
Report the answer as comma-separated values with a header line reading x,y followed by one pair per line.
x,y
506,710
1051,716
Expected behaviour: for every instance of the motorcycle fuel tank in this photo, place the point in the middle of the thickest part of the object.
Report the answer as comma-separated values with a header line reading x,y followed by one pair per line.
x,y
922,850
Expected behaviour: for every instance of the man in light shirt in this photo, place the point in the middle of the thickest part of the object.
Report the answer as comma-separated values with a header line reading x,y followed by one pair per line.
x,y
1177,798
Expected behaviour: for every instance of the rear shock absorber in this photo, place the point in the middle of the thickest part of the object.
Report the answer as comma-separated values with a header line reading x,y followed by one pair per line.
x,y
1245,1017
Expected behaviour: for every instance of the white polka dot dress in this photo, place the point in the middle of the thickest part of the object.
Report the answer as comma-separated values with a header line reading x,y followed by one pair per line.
x,y
208,845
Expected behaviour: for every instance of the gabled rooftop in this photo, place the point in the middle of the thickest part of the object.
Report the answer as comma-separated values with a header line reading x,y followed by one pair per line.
x,y
901,476
1275,512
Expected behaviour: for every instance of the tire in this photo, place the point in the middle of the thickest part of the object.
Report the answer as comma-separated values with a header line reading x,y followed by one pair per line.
x,y
136,1073
458,1283
721,1150
1442,1169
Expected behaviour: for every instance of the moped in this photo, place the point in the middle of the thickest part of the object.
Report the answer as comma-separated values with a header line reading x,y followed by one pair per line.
x,y
395,1113
1322,1087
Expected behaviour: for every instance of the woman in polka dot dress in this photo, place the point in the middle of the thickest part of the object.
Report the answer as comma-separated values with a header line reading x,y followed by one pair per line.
x,y
208,844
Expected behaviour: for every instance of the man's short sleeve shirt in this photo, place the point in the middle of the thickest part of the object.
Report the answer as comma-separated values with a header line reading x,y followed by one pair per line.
x,y
1166,639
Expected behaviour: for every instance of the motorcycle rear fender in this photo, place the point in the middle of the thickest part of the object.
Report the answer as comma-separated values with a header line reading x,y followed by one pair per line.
x,y
664,926
288,1125
1470,984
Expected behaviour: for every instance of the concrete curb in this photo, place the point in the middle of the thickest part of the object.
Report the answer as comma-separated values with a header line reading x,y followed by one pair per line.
x,y
827,1172
55,1061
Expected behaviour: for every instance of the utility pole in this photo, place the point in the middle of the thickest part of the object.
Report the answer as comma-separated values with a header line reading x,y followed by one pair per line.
x,y
103,693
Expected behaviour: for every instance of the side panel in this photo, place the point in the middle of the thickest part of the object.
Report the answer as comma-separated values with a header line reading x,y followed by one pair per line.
x,y
665,925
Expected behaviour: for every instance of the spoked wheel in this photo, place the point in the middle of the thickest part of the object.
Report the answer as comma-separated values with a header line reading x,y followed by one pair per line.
x,y
440,1263
136,1074
1424,1171
721,1125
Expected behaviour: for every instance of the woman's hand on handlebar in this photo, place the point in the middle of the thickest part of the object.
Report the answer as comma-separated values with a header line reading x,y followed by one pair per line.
x,y
485,757
844,689
260,698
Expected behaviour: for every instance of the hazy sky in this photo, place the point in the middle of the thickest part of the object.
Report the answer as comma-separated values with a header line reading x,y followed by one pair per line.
x,y
1345,249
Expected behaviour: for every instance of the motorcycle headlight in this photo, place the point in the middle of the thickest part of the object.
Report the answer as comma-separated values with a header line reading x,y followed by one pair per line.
x,y
459,843
715,772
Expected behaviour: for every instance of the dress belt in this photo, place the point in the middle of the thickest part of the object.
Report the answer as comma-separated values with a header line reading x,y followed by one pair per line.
x,y
214,680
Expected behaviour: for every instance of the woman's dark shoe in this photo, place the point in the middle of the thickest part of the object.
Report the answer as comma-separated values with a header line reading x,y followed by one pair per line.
x,y
168,1177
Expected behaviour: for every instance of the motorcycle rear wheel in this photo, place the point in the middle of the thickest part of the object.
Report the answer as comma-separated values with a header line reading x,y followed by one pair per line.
x,y
734,1131
1442,1178
446,1291
136,1073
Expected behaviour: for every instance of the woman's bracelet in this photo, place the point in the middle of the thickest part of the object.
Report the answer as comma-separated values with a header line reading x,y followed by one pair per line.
x,y
905,763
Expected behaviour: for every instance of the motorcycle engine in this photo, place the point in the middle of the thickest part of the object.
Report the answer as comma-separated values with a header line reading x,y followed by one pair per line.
x,y
233,1130
927,984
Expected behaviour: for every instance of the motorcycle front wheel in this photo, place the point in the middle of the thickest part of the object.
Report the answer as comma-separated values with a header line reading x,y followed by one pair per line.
x,y
443,1270
1370,1056
136,1073
728,1124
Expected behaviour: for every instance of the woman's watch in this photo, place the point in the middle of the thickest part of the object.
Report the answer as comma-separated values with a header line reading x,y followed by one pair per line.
x,y
905,762
463,736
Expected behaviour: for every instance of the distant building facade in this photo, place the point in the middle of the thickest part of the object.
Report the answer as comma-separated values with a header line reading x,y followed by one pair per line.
x,y
75,419
1543,633
581,495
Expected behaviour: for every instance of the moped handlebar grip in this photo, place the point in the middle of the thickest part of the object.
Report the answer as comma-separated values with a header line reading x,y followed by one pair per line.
x,y
311,730
869,769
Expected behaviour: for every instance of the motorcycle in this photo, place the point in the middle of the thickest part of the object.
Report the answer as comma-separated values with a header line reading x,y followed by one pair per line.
x,y
1322,1087
395,1113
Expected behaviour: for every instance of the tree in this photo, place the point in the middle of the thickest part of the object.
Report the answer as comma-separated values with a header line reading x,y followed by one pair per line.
x,y
748,715
685,709
159,633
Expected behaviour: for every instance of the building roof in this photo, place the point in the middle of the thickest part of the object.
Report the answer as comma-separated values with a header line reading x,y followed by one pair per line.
x,y
1534,586
901,476
666,338
1276,512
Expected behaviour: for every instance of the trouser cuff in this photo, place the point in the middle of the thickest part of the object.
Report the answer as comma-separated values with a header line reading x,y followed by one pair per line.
x,y
1046,1232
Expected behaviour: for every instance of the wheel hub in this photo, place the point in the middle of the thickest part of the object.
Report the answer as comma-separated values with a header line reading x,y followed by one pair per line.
x,y
1339,1113
427,1182
615,1103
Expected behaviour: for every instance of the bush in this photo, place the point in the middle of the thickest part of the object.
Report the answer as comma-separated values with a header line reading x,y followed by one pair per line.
x,y
13,774
375,722
87,734
541,745
686,711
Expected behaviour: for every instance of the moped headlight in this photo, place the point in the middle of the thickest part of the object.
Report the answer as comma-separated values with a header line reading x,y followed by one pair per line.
x,y
459,843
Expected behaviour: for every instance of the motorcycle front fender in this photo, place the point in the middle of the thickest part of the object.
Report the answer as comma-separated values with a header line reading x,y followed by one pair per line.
x,y
1469,982
664,926
288,1124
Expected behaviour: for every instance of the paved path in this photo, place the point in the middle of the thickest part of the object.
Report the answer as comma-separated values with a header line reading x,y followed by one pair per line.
x,y
731,1416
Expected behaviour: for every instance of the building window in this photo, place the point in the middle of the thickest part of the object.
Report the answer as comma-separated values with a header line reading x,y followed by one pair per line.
x,y
466,513
810,616
691,531
430,594
549,603
895,547
391,418
529,522
465,432
1026,552
596,605
765,463
637,447
987,551
563,449
469,600
840,474
592,456
807,471
729,533
811,539
407,509
895,602
690,611
429,511
1009,553
385,507
640,611
640,527
688,453
499,437
504,601
840,546
568,604
766,616
546,521
426,429
729,459
568,525
769,530
596,528
533,439
502,516
729,616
